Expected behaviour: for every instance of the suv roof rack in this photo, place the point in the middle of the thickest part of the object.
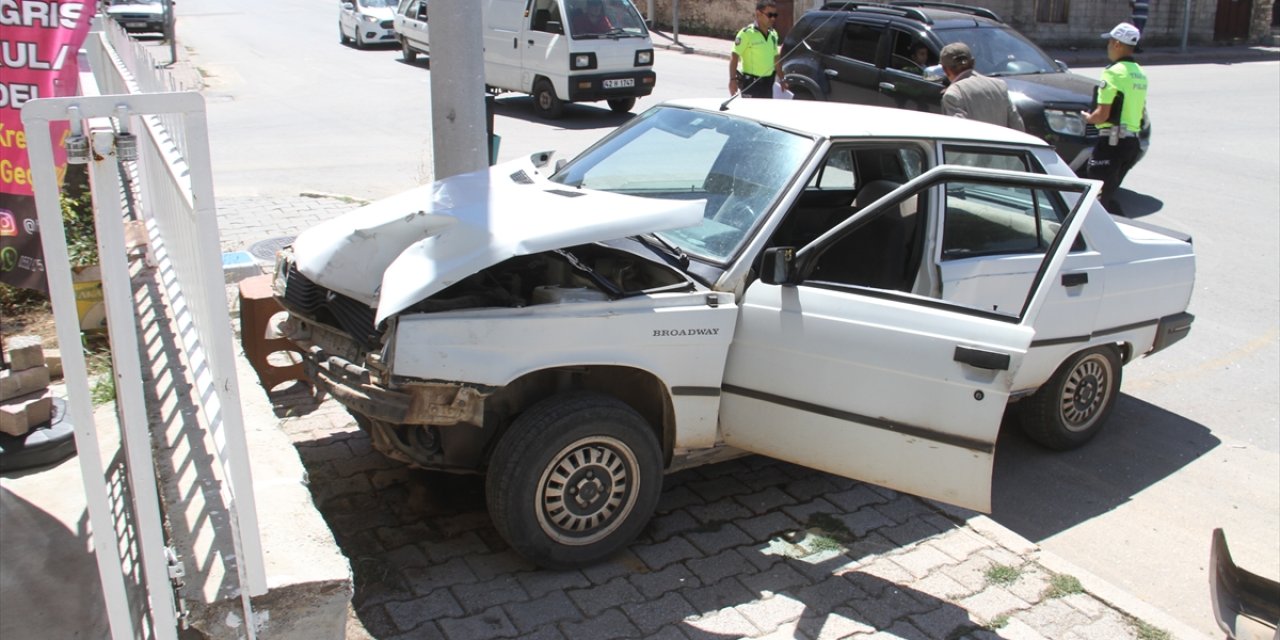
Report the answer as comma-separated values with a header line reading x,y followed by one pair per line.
x,y
878,7
981,12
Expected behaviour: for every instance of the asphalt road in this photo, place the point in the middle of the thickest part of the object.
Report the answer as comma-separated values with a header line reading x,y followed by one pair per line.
x,y
1195,441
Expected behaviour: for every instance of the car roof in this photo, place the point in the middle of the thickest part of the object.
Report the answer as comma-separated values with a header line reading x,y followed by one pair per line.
x,y
841,120
938,15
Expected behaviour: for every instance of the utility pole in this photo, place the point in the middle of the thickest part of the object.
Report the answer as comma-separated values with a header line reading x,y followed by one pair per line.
x,y
459,141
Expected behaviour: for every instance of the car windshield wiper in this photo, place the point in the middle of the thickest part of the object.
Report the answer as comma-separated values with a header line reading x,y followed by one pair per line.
x,y
655,241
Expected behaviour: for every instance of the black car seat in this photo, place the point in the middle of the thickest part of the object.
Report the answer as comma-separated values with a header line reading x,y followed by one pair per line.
x,y
876,254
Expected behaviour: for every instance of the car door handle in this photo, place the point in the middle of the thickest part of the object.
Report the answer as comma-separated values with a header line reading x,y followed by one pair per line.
x,y
1074,279
888,86
530,41
982,359
831,72
515,43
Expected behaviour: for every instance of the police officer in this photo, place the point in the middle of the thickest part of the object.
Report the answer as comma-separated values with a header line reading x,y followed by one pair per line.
x,y
756,47
1122,101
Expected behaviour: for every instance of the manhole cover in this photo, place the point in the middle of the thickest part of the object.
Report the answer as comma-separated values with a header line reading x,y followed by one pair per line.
x,y
265,250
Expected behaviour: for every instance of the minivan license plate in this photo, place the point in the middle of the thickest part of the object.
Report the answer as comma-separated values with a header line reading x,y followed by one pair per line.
x,y
619,83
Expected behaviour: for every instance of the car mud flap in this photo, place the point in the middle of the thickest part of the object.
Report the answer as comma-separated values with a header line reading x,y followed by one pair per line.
x,y
1246,606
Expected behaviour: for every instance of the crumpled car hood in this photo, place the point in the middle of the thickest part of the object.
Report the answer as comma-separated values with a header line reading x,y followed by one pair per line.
x,y
395,252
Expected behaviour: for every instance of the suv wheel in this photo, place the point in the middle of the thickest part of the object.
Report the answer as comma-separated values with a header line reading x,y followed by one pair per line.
x,y
574,479
1071,408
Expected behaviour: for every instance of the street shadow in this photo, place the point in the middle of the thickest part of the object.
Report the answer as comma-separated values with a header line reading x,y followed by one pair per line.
x,y
1137,205
421,62
578,116
1039,493
49,582
748,539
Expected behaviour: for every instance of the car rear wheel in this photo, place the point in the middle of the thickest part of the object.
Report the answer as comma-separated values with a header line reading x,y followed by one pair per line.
x,y
407,52
1072,406
574,479
545,101
621,105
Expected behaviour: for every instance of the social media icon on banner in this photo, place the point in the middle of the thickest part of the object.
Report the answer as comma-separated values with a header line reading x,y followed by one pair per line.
x,y
8,226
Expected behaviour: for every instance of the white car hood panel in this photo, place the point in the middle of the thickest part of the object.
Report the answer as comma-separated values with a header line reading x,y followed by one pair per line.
x,y
395,252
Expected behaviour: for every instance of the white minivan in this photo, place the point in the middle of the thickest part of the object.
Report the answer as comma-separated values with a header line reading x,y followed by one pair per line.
x,y
558,51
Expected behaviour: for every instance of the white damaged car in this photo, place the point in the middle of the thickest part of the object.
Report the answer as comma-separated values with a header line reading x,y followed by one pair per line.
x,y
855,289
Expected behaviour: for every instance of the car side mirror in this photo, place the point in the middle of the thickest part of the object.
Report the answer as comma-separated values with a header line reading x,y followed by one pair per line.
x,y
348,6
777,266
934,73
1062,66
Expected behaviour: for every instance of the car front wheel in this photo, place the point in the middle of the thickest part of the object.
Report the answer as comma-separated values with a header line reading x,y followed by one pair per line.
x,y
545,101
1073,405
574,479
405,50
342,35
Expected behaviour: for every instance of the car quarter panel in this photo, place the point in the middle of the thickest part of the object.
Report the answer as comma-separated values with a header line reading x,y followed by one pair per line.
x,y
678,337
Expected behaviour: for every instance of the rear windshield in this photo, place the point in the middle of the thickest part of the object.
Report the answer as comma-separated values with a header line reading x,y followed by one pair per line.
x,y
999,51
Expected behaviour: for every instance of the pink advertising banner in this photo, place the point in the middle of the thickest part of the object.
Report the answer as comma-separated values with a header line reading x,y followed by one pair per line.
x,y
39,42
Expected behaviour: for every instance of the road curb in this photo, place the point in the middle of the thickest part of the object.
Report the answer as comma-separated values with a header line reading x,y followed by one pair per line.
x,y
1098,587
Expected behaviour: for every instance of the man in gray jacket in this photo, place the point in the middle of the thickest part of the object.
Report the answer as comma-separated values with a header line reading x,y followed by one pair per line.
x,y
973,95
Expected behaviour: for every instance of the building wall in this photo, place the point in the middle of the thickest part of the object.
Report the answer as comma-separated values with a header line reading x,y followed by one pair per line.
x,y
1086,19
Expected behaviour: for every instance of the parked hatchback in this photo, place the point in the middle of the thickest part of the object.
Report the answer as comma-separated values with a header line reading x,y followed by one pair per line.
x,y
366,22
886,55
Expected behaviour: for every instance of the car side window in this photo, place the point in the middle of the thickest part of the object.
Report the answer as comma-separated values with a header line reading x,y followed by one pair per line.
x,y
981,221
860,42
910,54
546,17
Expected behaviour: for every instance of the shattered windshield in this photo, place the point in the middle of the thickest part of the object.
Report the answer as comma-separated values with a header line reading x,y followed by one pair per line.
x,y
1000,52
738,168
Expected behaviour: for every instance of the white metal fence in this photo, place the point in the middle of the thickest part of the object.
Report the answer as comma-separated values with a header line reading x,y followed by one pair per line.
x,y
173,196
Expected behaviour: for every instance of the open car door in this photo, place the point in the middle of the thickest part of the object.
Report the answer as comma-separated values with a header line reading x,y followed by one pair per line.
x,y
885,386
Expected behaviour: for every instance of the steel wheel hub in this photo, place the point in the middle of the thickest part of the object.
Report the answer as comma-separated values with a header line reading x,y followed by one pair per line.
x,y
586,492
1085,392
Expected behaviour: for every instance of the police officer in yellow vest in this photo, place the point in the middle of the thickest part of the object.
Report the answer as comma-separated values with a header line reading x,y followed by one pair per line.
x,y
756,47
1122,103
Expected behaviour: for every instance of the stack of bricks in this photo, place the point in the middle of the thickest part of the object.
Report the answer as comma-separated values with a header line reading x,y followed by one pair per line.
x,y
25,399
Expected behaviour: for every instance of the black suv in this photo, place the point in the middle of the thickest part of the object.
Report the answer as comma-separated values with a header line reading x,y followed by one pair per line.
x,y
869,53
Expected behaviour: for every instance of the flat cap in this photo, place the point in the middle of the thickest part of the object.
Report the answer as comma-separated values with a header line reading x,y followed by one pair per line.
x,y
956,54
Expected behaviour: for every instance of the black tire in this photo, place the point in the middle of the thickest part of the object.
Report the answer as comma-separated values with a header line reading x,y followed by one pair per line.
x,y
407,52
597,444
1072,406
342,35
545,101
359,39
621,105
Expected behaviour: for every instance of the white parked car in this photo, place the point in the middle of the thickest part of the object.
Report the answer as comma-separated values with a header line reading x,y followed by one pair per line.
x,y
138,16
366,22
822,283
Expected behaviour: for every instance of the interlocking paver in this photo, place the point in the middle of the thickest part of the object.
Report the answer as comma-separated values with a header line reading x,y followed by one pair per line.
x,y
540,583
489,565
410,614
725,593
715,489
549,609
492,623
1053,617
921,560
712,569
943,622
719,511
959,543
611,624
828,595
891,604
597,599
839,624
657,556
718,537
778,578
991,603
670,524
652,614
763,527
478,596
772,611
765,500
727,622
801,512
677,497
676,576
424,580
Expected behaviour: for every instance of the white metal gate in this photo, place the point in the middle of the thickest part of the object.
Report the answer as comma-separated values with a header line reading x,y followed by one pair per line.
x,y
159,139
